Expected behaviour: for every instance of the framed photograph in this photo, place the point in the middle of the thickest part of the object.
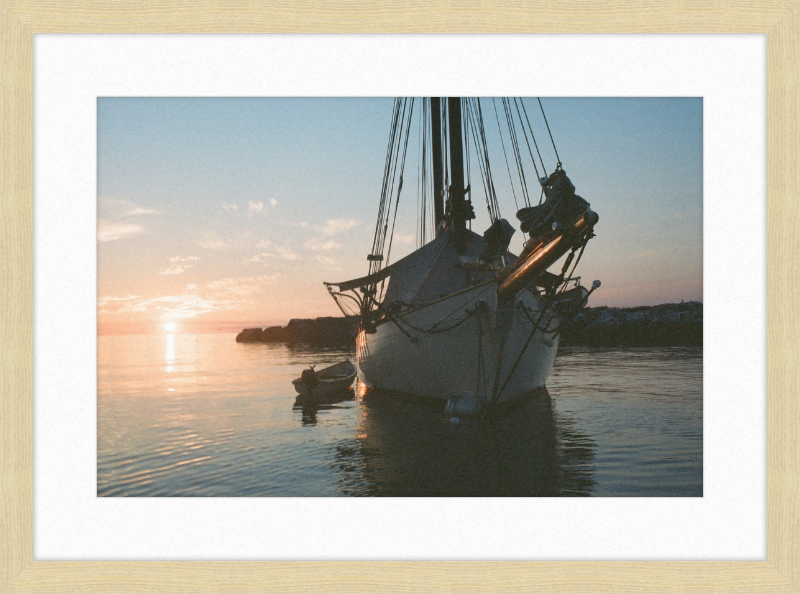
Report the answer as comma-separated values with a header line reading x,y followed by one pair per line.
x,y
112,255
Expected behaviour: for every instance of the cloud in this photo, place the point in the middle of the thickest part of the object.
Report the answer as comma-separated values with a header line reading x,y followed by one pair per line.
x,y
186,259
328,261
285,253
108,231
169,306
225,294
241,285
255,206
273,202
316,245
229,207
103,301
118,207
277,252
334,226
302,224
141,211
176,270
211,241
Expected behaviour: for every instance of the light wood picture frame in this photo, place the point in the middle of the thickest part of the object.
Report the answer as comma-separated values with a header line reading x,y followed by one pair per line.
x,y
779,20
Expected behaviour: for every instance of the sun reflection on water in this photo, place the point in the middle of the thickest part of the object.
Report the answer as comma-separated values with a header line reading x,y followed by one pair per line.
x,y
170,353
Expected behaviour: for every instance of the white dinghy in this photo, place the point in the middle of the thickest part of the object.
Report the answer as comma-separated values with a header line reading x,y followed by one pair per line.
x,y
331,380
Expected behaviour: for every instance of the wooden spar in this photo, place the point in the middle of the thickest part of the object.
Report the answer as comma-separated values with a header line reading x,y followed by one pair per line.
x,y
438,165
535,263
457,206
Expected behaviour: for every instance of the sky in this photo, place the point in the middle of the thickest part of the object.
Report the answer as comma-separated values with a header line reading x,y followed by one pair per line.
x,y
220,213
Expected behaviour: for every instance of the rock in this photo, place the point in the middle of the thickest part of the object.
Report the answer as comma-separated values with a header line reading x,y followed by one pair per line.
x,y
327,331
672,324
249,335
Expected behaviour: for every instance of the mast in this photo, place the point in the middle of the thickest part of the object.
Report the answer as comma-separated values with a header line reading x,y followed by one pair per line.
x,y
438,166
460,211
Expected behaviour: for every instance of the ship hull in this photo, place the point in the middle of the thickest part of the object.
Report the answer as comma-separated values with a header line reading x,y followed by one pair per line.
x,y
463,346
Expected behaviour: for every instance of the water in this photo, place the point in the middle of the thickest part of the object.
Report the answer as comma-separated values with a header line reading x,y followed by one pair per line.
x,y
201,415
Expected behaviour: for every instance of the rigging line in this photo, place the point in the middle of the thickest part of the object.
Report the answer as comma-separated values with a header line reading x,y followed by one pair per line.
x,y
548,130
390,192
525,111
384,183
425,174
427,169
483,163
399,137
471,134
489,176
400,187
434,328
445,145
389,183
424,181
515,145
481,167
420,182
393,176
525,133
505,156
432,201
578,259
484,144
498,393
465,144
458,308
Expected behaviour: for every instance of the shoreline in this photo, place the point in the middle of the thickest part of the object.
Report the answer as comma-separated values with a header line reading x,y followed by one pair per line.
x,y
669,324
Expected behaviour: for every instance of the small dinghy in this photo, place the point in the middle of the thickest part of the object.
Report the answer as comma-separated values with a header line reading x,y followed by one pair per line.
x,y
326,382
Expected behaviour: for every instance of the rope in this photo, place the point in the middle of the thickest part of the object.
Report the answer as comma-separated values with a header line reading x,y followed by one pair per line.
x,y
548,130
505,156
400,186
497,393
479,140
544,169
491,192
580,255
433,328
515,146
525,134
387,168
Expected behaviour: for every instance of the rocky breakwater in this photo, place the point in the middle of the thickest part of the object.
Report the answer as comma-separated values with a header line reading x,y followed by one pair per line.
x,y
328,331
671,324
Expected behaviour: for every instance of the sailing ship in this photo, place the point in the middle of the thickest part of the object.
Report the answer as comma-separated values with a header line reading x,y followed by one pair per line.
x,y
462,319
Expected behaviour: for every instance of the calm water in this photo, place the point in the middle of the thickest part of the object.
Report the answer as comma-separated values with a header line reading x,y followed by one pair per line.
x,y
200,415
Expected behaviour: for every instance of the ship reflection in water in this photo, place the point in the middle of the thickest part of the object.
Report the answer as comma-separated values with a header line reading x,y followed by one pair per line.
x,y
405,447
201,415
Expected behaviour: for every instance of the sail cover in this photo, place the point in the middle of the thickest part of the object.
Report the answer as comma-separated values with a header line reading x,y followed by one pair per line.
x,y
364,281
429,273
433,271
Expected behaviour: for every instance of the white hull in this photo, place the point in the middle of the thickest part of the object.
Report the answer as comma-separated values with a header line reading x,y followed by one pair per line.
x,y
425,353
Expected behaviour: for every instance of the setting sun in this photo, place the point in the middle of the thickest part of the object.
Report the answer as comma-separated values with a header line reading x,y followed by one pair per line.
x,y
170,326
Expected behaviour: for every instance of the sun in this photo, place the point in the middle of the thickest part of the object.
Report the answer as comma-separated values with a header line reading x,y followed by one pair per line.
x,y
170,326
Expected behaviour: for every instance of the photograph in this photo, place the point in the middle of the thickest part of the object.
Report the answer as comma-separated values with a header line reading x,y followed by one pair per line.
x,y
399,297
